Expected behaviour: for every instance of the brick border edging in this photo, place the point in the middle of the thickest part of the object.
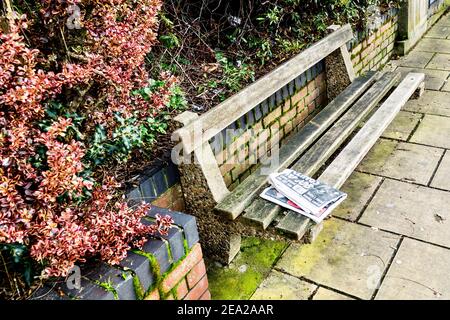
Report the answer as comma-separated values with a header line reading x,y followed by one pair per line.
x,y
169,267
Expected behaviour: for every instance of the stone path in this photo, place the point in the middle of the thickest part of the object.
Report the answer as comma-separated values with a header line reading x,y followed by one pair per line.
x,y
391,238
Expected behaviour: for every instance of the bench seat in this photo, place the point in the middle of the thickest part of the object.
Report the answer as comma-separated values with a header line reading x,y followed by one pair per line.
x,y
312,160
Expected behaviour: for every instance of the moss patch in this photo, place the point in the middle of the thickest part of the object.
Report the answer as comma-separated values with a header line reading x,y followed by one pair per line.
x,y
378,155
242,277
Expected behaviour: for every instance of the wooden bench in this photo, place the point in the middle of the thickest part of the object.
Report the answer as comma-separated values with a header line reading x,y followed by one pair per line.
x,y
329,146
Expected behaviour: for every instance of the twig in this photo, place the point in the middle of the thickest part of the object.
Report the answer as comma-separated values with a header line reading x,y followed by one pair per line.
x,y
97,72
64,42
435,292
6,270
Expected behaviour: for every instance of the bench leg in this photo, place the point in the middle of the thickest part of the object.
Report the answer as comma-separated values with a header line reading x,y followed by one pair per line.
x,y
203,187
419,91
313,232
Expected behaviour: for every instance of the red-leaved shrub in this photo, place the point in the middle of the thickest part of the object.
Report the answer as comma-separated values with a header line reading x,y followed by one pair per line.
x,y
52,199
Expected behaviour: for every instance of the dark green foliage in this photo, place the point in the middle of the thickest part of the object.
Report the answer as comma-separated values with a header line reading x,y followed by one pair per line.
x,y
16,259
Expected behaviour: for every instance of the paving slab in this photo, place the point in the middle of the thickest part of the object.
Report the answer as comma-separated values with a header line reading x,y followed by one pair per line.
x,y
342,257
325,294
439,31
440,61
434,131
444,21
430,102
433,45
402,126
419,271
359,188
446,86
434,79
442,176
400,160
280,286
416,59
240,279
411,210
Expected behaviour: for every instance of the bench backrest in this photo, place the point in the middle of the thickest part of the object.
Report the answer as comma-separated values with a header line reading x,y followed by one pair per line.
x,y
205,127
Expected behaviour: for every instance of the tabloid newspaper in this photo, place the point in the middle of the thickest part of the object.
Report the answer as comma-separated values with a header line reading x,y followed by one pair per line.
x,y
303,194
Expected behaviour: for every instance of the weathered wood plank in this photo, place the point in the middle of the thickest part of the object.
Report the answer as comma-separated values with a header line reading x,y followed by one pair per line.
x,y
314,158
206,161
347,160
215,120
235,203
293,225
261,212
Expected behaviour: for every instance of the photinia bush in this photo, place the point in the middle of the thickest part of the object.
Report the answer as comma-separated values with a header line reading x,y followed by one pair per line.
x,y
70,100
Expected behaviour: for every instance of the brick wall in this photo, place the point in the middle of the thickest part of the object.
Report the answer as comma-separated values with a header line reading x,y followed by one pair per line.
x,y
160,186
372,49
167,268
240,147
187,281
171,199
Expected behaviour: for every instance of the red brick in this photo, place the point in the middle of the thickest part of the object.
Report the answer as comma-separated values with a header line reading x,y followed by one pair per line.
x,y
198,290
311,86
183,268
206,296
242,153
312,96
288,116
321,100
366,51
178,205
226,167
154,295
357,49
288,127
356,59
298,97
320,79
253,145
182,289
257,127
385,26
221,156
287,105
196,274
311,107
164,201
271,117
227,178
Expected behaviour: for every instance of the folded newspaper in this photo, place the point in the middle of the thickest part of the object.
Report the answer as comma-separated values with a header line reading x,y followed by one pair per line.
x,y
303,194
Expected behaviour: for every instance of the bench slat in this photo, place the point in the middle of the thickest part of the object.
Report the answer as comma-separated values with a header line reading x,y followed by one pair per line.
x,y
349,158
324,148
235,203
215,120
293,225
261,213
315,157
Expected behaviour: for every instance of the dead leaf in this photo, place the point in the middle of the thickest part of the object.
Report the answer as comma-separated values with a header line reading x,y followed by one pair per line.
x,y
210,67
439,218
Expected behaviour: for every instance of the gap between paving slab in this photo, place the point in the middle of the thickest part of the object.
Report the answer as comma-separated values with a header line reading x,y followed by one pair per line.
x,y
418,271
346,256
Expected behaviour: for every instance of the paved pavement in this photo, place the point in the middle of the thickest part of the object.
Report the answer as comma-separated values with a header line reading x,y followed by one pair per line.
x,y
391,238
